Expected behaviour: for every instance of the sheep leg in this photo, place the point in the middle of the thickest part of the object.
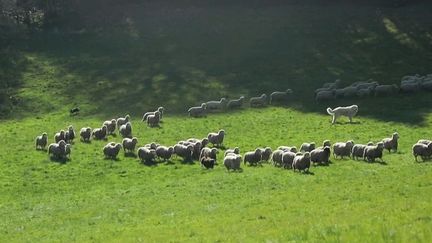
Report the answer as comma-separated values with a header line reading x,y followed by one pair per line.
x,y
350,119
334,119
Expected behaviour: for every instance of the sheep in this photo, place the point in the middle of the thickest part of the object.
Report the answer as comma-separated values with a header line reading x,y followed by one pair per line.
x,y
208,152
203,141
424,141
326,143
287,159
391,143
184,151
41,141
238,103
125,130
357,150
111,126
198,111
382,90
342,149
68,151
235,150
265,154
57,150
325,95
129,144
361,93
302,162
367,85
280,95
253,158
427,85
59,136
153,120
111,150
196,150
307,147
207,162
422,150
160,110
70,134
287,148
350,92
332,85
216,138
152,145
320,155
121,120
216,105
410,87
85,134
146,155
99,133
164,152
277,157
258,101
372,152
232,161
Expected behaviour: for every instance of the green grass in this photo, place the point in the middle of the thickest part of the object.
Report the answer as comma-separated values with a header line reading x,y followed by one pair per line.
x,y
199,53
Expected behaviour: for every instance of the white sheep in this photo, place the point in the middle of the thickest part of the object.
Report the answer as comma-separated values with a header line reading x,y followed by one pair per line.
x,y
198,111
422,150
367,85
361,93
325,95
357,150
41,141
152,145
85,134
258,101
184,152
288,148
373,152
238,103
280,95
121,120
391,143
288,159
232,161
129,144
68,150
387,89
164,152
410,87
277,157
70,134
253,157
235,150
216,105
153,120
302,162
99,133
265,154
160,110
350,92
208,152
342,149
59,136
111,126
57,150
207,163
326,143
216,138
320,155
111,150
332,85
125,130
203,141
307,147
146,155
427,85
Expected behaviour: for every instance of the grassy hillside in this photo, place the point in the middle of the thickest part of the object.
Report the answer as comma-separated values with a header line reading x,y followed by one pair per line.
x,y
177,56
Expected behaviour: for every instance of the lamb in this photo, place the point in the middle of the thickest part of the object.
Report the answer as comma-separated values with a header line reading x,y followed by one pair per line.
x,y
238,103
129,144
153,120
196,150
280,95
307,147
253,158
422,150
410,87
287,148
216,138
70,134
288,159
160,110
277,157
258,101
232,161
164,152
208,152
198,111
59,136
207,162
325,95
357,150
57,150
266,153
348,111
320,155
216,105
235,150
424,141
100,133
184,151
343,149
383,90
41,141
146,155
373,152
391,143
302,162
85,134
111,126
121,120
111,150
125,130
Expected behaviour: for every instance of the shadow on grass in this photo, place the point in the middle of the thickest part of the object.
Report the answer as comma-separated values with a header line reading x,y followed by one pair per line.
x,y
130,155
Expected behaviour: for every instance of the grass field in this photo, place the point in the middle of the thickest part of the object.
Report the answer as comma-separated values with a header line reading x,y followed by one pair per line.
x,y
200,53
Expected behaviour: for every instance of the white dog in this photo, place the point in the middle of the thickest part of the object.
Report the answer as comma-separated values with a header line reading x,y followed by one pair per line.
x,y
348,111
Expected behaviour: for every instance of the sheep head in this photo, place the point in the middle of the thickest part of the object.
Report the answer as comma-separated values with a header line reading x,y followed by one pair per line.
x,y
395,136
236,150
